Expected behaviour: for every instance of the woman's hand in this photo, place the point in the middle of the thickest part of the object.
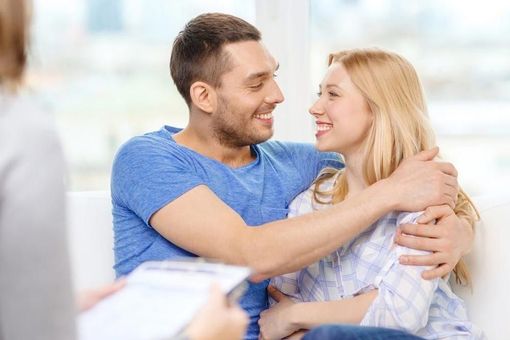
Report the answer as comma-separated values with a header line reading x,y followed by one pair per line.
x,y
448,239
275,322
297,336
89,298
218,320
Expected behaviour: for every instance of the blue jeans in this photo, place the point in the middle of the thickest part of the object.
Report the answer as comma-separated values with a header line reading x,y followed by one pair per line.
x,y
348,332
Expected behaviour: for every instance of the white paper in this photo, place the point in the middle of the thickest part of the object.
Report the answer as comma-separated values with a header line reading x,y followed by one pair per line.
x,y
159,300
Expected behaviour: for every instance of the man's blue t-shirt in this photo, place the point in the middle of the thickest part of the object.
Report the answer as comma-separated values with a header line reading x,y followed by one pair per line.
x,y
152,170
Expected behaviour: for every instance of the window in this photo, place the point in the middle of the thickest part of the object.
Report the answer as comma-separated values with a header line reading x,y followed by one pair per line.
x,y
102,66
460,50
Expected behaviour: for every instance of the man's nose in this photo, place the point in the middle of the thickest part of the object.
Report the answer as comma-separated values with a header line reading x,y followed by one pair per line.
x,y
275,95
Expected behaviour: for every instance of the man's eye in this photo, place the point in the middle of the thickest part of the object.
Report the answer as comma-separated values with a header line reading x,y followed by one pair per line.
x,y
257,86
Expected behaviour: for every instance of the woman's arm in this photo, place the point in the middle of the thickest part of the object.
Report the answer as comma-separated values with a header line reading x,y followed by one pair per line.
x,y
402,300
312,314
404,297
286,316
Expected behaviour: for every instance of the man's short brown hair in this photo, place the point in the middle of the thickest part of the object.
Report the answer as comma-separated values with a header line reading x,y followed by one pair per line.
x,y
197,53
13,41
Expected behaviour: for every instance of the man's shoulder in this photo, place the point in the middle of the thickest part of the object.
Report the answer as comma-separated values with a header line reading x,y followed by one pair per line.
x,y
281,146
292,150
297,153
150,143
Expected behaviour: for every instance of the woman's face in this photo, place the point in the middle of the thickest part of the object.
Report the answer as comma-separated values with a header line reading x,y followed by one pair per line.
x,y
342,116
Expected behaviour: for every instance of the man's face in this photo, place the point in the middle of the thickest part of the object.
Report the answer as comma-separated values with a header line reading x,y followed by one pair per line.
x,y
247,96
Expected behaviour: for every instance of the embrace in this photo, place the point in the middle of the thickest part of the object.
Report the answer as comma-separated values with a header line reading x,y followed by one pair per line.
x,y
363,228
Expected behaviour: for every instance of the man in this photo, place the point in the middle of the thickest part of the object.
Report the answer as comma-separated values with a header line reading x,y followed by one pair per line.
x,y
202,190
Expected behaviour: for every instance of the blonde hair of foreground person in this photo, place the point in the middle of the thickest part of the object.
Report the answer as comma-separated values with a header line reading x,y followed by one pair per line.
x,y
401,128
14,32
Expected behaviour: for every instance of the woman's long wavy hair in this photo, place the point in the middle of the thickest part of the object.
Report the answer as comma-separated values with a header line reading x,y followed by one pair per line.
x,y
400,129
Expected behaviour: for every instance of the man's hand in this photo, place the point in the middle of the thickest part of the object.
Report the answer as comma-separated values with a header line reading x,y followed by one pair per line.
x,y
273,322
448,240
419,182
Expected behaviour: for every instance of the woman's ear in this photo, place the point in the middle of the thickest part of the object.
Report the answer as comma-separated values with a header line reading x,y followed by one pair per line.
x,y
203,96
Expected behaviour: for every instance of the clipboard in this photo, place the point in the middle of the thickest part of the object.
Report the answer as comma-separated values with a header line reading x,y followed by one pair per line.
x,y
160,299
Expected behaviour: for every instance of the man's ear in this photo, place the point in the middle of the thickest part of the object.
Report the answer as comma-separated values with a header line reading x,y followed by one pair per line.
x,y
203,96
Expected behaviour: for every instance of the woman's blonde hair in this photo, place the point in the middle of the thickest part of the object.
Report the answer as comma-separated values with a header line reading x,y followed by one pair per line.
x,y
400,129
13,41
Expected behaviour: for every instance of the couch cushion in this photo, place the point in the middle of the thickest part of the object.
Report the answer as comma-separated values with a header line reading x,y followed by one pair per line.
x,y
488,299
90,238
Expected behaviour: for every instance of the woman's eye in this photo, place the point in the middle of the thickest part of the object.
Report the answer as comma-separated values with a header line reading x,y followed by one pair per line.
x,y
319,94
332,94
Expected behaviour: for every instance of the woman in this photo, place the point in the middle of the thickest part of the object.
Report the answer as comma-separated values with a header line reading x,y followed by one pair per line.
x,y
36,298
371,109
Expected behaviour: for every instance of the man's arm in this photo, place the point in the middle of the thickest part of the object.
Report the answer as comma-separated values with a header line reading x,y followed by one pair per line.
x,y
201,223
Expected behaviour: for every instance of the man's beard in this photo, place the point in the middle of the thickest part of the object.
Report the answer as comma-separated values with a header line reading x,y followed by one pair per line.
x,y
231,131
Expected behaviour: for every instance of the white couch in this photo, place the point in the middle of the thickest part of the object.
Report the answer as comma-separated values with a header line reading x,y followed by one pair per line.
x,y
91,242
90,238
489,263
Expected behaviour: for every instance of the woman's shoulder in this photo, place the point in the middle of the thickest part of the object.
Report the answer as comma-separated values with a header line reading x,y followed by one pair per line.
x,y
309,200
326,179
323,186
29,144
26,124
404,217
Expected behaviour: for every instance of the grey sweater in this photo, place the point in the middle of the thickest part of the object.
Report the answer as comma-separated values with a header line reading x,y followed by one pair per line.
x,y
36,299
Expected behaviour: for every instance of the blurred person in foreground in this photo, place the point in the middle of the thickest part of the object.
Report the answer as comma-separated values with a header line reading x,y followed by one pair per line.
x,y
36,297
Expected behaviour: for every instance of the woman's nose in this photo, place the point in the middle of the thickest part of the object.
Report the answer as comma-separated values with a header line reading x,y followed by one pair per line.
x,y
316,109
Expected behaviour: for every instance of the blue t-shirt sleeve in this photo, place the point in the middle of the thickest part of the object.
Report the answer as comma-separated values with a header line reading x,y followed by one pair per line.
x,y
311,162
149,173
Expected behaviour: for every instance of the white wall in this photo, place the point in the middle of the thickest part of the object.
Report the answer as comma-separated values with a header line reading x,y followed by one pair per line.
x,y
285,28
